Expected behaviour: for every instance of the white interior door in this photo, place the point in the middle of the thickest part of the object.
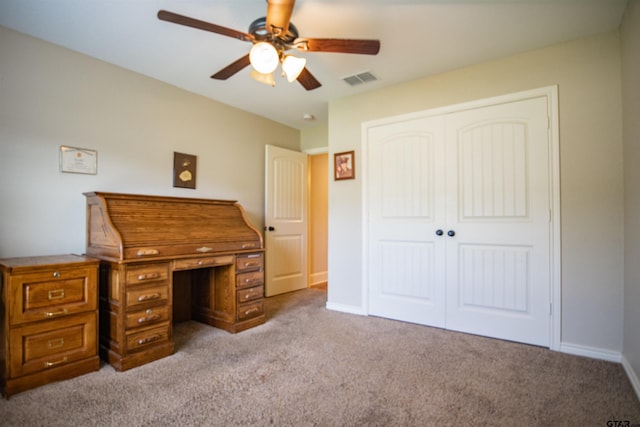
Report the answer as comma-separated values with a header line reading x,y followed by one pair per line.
x,y
285,221
459,221
498,274
406,205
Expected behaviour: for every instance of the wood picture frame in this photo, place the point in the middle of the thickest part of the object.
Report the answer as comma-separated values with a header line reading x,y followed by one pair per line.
x,y
344,165
184,170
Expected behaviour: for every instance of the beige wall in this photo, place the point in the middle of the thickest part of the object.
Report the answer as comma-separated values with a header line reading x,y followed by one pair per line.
x,y
51,96
587,72
315,139
630,36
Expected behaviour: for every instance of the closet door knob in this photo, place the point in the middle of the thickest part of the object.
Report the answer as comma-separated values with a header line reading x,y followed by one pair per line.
x,y
439,232
451,233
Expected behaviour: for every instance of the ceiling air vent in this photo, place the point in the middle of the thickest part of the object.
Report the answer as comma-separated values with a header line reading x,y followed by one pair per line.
x,y
361,78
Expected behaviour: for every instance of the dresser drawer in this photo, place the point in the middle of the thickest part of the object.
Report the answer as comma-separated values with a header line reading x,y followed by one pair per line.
x,y
247,311
51,294
45,345
250,294
139,296
142,339
139,274
147,317
247,280
249,262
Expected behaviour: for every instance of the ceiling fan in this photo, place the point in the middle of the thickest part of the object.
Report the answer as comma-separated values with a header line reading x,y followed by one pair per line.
x,y
272,36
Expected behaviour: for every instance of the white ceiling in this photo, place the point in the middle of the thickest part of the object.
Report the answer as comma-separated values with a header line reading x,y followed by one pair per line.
x,y
418,38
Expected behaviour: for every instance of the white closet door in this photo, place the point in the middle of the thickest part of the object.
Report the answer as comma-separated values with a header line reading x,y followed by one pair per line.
x,y
406,202
481,176
498,262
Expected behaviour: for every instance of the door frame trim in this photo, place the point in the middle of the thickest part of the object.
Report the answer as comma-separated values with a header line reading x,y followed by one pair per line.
x,y
551,93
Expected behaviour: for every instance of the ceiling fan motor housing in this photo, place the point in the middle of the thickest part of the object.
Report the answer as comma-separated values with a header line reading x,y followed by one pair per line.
x,y
258,29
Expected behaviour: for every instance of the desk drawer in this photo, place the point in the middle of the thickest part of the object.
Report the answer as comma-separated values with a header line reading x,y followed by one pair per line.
x,y
148,337
147,317
249,262
247,280
247,311
250,294
39,296
191,263
43,345
147,273
138,297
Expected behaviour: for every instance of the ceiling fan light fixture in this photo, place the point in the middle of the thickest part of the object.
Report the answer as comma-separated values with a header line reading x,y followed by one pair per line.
x,y
264,57
292,66
265,78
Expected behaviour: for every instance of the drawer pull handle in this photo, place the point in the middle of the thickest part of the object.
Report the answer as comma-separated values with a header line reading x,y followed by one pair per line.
x,y
148,297
56,313
251,264
248,245
251,310
57,362
149,318
147,340
56,294
147,252
56,343
148,276
56,274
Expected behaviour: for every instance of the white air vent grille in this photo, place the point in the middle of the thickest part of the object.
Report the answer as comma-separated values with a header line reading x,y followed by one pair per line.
x,y
358,79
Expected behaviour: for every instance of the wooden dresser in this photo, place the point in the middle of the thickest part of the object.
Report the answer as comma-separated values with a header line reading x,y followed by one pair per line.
x,y
49,313
171,259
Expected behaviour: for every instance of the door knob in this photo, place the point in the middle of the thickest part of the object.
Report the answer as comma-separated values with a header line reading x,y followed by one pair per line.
x,y
271,228
439,232
451,233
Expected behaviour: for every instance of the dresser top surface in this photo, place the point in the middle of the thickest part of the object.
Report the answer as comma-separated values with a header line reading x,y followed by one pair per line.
x,y
44,262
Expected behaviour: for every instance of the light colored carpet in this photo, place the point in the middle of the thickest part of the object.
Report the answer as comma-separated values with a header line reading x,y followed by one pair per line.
x,y
308,366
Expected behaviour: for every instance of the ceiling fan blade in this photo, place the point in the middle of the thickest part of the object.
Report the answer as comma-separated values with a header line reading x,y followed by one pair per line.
x,y
307,80
232,68
202,25
279,15
364,47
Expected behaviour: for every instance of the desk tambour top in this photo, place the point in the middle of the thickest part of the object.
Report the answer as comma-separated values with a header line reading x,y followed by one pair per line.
x,y
128,227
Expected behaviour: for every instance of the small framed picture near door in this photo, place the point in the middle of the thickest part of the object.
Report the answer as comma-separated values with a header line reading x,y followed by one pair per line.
x,y
344,165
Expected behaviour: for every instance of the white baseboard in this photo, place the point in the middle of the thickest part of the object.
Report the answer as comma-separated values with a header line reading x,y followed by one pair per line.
x,y
633,375
317,278
592,352
351,309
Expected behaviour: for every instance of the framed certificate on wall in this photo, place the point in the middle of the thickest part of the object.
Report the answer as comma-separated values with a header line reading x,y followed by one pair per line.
x,y
78,160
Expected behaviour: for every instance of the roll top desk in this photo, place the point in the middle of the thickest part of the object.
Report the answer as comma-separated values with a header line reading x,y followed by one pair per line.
x,y
166,260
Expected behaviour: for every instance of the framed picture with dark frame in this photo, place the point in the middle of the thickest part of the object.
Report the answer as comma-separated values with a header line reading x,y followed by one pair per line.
x,y
184,170
344,165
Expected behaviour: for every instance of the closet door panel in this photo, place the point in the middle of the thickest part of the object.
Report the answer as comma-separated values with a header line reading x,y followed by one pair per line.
x,y
498,262
406,203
